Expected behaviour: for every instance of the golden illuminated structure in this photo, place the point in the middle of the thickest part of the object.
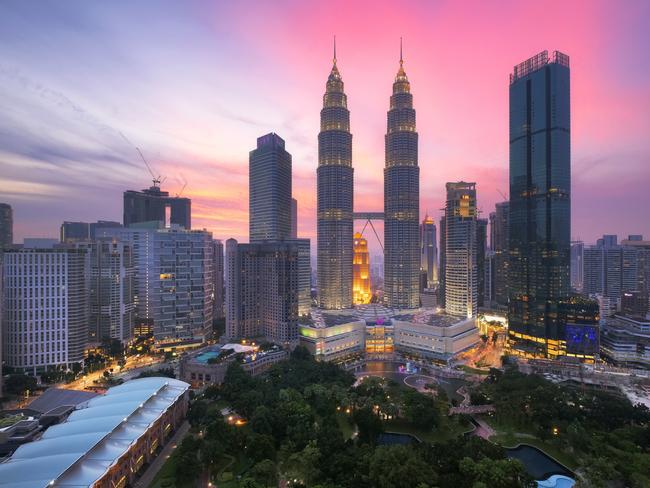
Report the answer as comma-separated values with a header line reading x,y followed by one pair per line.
x,y
361,271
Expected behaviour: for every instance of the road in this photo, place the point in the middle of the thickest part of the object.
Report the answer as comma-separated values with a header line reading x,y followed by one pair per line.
x,y
132,363
148,476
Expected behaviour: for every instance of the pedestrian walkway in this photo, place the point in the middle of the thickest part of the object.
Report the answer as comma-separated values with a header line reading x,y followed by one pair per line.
x,y
148,476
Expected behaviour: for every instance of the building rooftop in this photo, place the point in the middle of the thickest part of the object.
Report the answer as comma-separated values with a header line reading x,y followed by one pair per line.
x,y
80,450
54,398
430,316
536,63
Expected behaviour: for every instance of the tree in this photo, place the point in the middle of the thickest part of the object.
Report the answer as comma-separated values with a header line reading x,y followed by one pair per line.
x,y
265,472
370,425
260,447
399,467
420,410
18,384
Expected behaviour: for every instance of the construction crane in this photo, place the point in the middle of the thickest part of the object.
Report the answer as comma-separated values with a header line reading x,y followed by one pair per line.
x,y
502,194
157,181
181,192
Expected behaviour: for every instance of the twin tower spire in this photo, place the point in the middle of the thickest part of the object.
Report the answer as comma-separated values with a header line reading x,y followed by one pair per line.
x,y
335,199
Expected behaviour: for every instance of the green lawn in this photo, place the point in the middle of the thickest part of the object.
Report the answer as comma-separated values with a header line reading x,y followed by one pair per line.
x,y
165,477
509,436
449,428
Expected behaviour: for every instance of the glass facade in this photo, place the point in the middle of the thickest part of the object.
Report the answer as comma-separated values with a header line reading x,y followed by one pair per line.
x,y
401,200
540,212
335,181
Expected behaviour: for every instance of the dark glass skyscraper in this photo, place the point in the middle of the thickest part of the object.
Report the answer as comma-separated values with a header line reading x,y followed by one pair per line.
x,y
269,184
6,226
540,212
335,197
499,243
153,204
428,254
401,199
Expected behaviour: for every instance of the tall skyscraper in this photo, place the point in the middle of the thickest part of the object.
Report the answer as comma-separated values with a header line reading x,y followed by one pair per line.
x,y
461,270
481,252
335,197
361,271
540,204
294,219
442,283
6,225
262,290
577,266
269,177
155,205
218,302
401,199
499,245
45,307
428,254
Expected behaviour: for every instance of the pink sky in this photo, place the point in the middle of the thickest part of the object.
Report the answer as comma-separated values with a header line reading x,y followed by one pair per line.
x,y
195,87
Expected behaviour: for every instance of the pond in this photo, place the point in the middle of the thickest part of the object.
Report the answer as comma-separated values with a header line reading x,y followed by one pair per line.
x,y
394,438
538,464
396,371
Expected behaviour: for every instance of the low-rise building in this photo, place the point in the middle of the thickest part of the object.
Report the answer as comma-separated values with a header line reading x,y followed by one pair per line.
x,y
208,365
432,335
625,341
333,335
106,442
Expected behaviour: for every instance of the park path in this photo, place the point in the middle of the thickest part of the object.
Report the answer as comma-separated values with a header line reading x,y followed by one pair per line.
x,y
148,476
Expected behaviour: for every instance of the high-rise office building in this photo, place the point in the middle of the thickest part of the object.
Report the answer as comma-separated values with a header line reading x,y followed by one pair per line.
x,y
361,271
335,197
269,179
401,199
45,308
461,270
499,246
610,269
443,264
540,212
262,290
71,232
481,252
577,266
218,267
112,285
294,219
643,260
155,205
6,226
174,279
428,254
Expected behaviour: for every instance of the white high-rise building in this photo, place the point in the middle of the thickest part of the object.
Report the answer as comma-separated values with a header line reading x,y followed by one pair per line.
x,y
174,279
461,270
45,307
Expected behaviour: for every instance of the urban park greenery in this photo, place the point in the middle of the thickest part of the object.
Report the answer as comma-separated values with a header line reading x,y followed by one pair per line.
x,y
294,424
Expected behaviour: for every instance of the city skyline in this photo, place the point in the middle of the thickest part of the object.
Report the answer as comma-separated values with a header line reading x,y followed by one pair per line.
x,y
86,155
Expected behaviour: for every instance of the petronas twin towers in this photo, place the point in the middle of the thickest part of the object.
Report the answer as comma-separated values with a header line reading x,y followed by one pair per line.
x,y
335,177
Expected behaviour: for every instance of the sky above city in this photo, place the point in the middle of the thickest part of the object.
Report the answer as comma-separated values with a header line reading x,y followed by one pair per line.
x,y
194,83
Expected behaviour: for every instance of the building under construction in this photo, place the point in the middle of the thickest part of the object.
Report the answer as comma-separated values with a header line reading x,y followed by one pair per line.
x,y
153,204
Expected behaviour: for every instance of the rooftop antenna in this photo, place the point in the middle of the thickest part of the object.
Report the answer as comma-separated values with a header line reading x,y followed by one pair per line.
x,y
401,61
335,49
